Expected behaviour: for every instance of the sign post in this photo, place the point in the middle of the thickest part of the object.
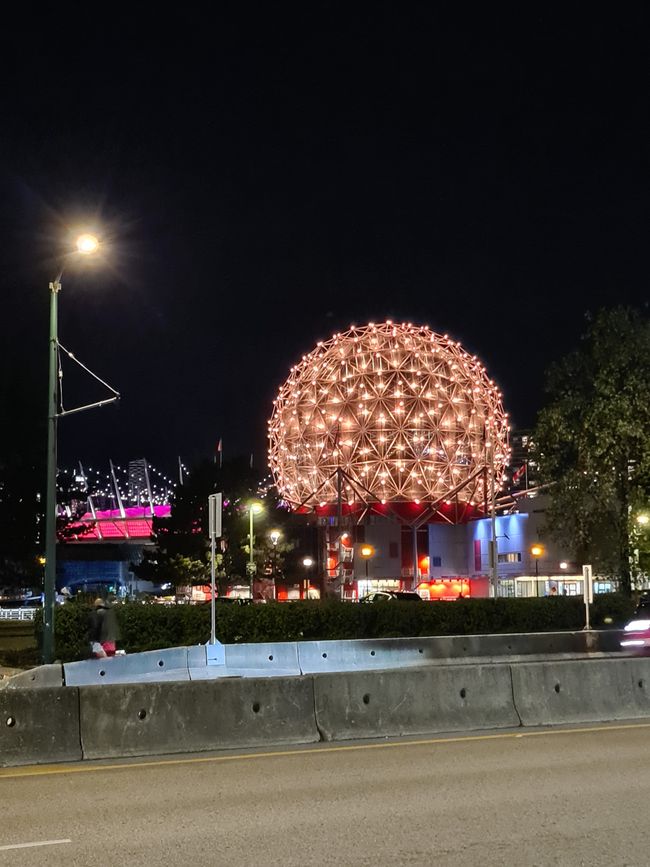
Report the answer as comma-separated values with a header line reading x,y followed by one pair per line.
x,y
214,528
588,592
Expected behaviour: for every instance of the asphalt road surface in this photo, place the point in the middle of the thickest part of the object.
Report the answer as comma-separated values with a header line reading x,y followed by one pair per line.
x,y
543,797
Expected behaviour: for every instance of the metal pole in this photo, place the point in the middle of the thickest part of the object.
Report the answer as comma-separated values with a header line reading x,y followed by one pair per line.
x,y
415,558
250,559
495,577
339,521
50,496
214,528
213,606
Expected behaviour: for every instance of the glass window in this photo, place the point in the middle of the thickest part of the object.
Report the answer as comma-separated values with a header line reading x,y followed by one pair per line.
x,y
512,557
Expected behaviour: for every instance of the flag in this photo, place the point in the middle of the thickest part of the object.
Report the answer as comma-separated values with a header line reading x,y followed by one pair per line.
x,y
518,473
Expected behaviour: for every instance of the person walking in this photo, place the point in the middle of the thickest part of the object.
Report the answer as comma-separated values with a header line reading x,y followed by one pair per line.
x,y
103,629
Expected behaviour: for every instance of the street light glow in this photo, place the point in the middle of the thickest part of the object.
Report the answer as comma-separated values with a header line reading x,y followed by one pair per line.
x,y
307,561
367,551
642,519
256,508
87,244
537,550
564,564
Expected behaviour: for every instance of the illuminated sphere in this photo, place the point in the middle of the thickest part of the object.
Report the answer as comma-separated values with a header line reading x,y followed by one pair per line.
x,y
406,413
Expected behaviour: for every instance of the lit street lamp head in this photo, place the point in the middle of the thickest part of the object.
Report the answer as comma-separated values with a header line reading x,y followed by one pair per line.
x,y
87,244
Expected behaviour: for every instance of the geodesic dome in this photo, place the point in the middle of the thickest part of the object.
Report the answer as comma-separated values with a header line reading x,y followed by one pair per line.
x,y
404,414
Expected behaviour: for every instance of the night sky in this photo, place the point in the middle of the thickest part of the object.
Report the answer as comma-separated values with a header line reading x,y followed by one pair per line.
x,y
271,175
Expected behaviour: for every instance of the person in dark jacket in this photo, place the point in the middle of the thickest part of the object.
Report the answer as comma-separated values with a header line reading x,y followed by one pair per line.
x,y
103,629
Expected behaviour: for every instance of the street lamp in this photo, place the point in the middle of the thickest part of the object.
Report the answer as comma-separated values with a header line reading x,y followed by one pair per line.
x,y
307,562
253,509
275,535
367,552
86,245
642,519
537,551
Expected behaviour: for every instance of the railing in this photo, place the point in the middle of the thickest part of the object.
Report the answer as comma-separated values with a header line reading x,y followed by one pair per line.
x,y
17,613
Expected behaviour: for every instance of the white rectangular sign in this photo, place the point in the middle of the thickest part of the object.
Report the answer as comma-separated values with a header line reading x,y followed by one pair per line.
x,y
214,515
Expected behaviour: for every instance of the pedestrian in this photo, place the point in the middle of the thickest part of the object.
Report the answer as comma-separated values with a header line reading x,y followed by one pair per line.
x,y
103,629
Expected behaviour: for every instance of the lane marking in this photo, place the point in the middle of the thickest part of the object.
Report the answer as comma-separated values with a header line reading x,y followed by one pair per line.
x,y
52,770
31,845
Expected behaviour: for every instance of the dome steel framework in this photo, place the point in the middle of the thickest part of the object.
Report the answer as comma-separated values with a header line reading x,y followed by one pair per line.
x,y
388,413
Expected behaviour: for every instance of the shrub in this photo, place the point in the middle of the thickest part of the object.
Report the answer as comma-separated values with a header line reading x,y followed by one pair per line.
x,y
153,627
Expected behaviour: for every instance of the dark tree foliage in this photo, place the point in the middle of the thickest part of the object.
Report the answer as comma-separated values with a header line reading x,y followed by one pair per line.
x,y
182,549
593,442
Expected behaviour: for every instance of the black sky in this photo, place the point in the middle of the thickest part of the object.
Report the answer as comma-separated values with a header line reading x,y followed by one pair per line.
x,y
271,174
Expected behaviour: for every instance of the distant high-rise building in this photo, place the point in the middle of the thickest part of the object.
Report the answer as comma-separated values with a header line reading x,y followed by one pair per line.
x,y
523,471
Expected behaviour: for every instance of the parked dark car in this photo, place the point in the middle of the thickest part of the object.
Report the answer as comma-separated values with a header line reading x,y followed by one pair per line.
x,y
390,595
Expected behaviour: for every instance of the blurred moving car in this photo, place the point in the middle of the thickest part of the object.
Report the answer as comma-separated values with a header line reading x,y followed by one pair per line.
x,y
636,633
390,595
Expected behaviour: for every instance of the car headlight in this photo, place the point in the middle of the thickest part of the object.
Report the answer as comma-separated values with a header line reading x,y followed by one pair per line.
x,y
637,626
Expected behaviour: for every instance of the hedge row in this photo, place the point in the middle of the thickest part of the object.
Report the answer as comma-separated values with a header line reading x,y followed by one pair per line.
x,y
152,627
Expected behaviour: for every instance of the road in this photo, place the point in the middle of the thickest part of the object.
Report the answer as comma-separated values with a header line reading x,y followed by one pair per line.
x,y
542,797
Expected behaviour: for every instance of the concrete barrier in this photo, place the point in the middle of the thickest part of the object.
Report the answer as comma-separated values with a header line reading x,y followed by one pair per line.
x,y
155,719
368,654
154,665
35,678
550,693
39,725
365,704
284,659
278,659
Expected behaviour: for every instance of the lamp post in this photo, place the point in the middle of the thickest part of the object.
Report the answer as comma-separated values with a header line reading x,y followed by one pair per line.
x,y
253,509
274,535
367,552
536,551
86,245
307,563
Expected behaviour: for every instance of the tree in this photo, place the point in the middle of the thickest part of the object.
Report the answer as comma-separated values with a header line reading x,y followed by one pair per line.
x,y
181,555
593,441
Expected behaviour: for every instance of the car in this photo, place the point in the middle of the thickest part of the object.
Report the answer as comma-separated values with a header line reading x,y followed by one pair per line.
x,y
391,595
636,633
32,601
